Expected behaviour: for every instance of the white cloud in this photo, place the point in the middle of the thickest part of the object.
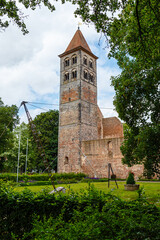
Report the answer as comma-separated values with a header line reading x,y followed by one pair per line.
x,y
29,65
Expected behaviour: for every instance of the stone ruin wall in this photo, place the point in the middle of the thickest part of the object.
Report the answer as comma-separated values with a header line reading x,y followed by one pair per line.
x,y
103,151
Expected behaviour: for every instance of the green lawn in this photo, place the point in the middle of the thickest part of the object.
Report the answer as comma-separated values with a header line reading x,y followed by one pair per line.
x,y
151,189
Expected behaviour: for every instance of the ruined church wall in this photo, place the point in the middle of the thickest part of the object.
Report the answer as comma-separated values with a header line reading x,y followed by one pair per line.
x,y
69,149
101,152
112,127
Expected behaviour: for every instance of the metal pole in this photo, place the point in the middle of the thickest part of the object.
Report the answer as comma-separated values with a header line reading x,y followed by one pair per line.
x,y
109,167
18,154
26,157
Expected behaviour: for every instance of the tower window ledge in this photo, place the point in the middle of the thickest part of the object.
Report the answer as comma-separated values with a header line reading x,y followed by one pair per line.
x,y
65,81
66,67
74,79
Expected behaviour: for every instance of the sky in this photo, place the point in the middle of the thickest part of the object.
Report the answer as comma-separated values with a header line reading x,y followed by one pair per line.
x,y
30,66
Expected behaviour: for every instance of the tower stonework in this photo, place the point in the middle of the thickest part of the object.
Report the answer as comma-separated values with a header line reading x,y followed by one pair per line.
x,y
87,141
78,102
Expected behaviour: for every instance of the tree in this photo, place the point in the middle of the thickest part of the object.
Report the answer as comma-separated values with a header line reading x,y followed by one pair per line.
x,y
11,155
8,121
132,30
47,128
11,11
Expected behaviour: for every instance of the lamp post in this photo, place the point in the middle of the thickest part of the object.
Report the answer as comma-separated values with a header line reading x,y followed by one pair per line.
x,y
18,154
26,157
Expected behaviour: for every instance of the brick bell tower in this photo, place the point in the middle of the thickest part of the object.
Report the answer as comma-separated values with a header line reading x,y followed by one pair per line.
x,y
78,102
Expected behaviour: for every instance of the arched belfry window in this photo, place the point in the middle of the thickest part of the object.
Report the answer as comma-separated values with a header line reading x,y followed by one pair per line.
x,y
91,78
85,74
66,76
74,59
66,62
91,63
74,73
85,60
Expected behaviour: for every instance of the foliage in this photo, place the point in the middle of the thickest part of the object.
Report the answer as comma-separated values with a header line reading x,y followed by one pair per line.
x,y
142,147
8,121
130,179
132,30
87,180
152,189
88,215
117,221
47,128
20,133
71,175
56,177
22,177
11,11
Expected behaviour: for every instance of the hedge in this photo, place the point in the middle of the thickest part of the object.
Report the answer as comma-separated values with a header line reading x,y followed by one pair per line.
x,y
42,177
90,214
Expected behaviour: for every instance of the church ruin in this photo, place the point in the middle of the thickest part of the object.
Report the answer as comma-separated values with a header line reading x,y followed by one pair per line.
x,y
88,142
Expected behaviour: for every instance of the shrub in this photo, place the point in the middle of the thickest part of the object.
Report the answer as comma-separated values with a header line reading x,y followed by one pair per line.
x,y
75,176
43,177
90,214
130,179
23,177
115,220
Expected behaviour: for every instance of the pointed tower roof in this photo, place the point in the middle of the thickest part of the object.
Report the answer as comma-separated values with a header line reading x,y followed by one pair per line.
x,y
78,42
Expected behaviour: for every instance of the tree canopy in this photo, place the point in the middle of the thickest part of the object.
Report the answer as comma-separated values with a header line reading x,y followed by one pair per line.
x,y
47,128
8,121
10,11
20,133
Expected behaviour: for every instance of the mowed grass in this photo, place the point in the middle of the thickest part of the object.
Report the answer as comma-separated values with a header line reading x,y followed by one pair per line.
x,y
151,190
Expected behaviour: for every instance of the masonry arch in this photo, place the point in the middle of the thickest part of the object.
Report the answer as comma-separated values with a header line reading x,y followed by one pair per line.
x,y
66,62
85,74
66,76
85,60
74,59
91,63
74,74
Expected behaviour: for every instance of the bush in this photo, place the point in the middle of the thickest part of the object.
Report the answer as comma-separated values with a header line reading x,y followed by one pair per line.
x,y
130,179
25,178
117,220
90,214
87,180
62,177
75,176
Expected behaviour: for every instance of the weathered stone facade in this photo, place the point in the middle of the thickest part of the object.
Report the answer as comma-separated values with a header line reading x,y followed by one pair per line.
x,y
87,141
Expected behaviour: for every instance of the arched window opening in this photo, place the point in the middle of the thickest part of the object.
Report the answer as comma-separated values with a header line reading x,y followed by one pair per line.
x,y
74,74
66,76
66,62
91,63
74,59
85,60
110,153
66,160
85,74
91,78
